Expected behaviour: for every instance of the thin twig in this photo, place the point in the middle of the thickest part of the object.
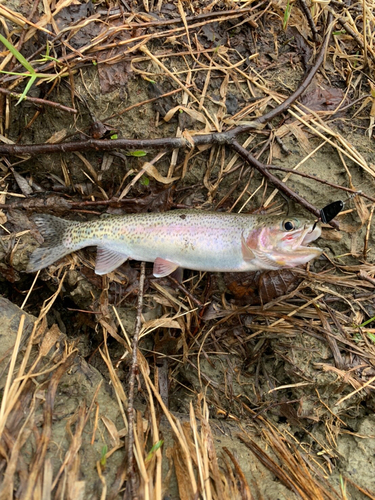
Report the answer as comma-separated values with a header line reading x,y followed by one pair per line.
x,y
244,153
198,17
309,18
367,236
138,104
322,181
37,100
183,289
133,372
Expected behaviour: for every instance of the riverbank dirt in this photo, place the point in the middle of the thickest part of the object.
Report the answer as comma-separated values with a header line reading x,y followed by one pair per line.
x,y
247,386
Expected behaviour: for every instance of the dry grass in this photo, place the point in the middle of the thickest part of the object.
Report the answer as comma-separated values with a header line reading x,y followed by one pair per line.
x,y
329,312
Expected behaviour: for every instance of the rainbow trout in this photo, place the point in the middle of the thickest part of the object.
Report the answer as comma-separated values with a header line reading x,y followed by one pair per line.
x,y
202,241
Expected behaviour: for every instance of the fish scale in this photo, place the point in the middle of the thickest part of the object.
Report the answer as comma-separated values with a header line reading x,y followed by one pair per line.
x,y
202,241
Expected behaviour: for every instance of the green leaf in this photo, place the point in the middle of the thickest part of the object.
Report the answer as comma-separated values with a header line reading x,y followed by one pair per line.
x,y
103,458
367,322
287,15
145,181
13,73
47,58
17,54
138,153
33,75
154,449
24,93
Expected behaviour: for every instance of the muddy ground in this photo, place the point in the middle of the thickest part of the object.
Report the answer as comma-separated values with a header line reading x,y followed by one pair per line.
x,y
270,362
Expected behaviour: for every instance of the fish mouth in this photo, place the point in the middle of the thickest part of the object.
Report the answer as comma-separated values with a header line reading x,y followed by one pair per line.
x,y
312,234
308,234
297,252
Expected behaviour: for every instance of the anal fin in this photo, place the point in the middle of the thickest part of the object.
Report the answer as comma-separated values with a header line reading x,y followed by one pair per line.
x,y
163,267
108,260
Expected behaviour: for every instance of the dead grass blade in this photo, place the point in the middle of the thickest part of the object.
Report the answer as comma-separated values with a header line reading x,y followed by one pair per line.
x,y
291,468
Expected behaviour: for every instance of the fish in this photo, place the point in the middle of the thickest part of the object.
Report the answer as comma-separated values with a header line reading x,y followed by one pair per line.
x,y
191,239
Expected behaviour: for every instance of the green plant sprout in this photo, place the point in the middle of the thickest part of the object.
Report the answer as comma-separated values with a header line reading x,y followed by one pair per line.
x,y
365,323
287,12
103,458
153,450
370,335
32,74
46,57
138,153
145,181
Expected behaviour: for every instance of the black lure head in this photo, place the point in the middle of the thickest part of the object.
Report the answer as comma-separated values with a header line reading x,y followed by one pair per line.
x,y
330,211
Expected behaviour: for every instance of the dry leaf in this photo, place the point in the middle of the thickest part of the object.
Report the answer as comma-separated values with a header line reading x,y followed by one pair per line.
x,y
187,135
22,183
163,322
296,129
3,217
331,235
58,136
196,115
261,287
153,172
362,210
112,430
50,339
5,140
89,167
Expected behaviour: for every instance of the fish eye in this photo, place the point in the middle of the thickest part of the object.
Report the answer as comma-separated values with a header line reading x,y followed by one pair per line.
x,y
289,225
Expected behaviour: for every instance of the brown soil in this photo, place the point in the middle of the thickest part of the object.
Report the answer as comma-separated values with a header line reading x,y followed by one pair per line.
x,y
272,373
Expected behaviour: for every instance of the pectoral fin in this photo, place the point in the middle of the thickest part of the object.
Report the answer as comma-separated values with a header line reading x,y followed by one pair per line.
x,y
247,253
108,260
163,267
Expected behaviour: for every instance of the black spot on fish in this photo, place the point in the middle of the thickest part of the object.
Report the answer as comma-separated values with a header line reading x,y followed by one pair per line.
x,y
183,216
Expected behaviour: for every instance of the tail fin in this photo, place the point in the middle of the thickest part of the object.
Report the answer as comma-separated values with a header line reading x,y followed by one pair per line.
x,y
53,230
